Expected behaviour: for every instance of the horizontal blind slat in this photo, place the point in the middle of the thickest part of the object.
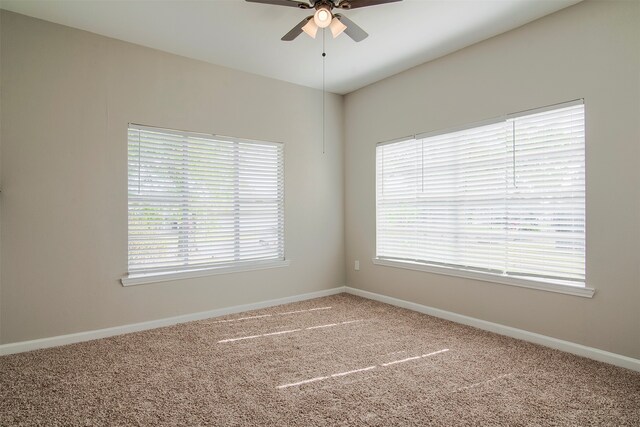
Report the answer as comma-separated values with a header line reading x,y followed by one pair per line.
x,y
457,199
199,200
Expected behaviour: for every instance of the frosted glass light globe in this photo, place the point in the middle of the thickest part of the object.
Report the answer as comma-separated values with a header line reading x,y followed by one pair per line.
x,y
322,17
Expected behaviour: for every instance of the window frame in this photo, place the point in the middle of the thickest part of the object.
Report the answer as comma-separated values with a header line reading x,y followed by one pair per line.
x,y
550,285
193,271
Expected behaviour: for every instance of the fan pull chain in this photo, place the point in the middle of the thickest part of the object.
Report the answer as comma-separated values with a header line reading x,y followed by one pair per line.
x,y
513,141
139,161
324,55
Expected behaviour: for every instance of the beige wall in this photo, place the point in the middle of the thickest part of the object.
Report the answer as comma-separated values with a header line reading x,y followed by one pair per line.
x,y
0,180
590,51
67,97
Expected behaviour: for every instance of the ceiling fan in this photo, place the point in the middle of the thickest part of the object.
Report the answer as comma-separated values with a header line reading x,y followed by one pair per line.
x,y
324,17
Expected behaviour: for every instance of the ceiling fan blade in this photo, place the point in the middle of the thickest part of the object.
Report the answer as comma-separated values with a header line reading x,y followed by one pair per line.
x,y
298,4
296,31
353,30
353,4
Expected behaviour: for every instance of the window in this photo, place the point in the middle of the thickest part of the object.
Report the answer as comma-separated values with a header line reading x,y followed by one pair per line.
x,y
502,200
202,202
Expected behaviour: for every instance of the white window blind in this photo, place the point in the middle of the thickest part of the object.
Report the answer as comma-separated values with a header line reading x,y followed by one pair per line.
x,y
198,201
505,198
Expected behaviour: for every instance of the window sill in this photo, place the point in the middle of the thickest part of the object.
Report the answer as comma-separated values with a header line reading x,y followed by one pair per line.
x,y
488,277
145,278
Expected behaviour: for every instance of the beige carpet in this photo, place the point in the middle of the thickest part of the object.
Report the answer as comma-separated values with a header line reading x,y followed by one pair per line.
x,y
340,360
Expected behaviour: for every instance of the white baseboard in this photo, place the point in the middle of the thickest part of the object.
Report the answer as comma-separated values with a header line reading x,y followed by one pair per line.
x,y
23,346
567,346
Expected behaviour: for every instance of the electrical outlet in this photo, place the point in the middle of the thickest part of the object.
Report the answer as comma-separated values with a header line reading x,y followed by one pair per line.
x,y
357,266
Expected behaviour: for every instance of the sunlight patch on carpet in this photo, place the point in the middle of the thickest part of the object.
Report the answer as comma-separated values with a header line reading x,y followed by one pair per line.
x,y
408,359
286,313
368,368
288,331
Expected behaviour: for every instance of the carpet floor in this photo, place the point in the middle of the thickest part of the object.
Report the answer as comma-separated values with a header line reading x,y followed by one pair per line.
x,y
340,360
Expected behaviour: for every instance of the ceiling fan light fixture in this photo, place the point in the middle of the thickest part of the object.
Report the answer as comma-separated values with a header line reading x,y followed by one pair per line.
x,y
336,27
322,17
310,28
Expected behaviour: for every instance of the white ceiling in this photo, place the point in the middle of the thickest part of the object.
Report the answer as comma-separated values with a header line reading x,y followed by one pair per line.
x,y
246,36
